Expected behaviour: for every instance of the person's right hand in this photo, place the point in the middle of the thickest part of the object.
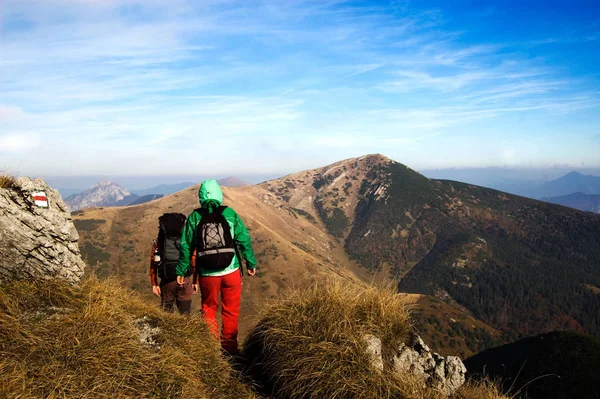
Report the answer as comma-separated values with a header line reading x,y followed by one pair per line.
x,y
180,280
156,290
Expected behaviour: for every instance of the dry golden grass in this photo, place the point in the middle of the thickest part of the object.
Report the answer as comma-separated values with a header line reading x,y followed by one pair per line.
x,y
484,389
310,345
58,341
6,181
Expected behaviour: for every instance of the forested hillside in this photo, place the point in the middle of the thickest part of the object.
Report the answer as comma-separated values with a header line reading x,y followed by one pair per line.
x,y
520,265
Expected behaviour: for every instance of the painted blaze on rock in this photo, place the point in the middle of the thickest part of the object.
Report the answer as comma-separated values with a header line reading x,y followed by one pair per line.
x,y
40,199
37,237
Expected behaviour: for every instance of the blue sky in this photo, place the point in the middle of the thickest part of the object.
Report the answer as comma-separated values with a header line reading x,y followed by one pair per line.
x,y
126,87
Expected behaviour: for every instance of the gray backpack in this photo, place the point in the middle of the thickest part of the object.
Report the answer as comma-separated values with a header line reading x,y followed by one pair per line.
x,y
169,242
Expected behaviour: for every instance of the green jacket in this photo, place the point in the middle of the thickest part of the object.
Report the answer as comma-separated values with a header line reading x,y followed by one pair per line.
x,y
211,197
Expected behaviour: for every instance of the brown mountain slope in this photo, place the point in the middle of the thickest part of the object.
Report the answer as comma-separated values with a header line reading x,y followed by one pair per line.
x,y
521,265
331,193
291,249
292,242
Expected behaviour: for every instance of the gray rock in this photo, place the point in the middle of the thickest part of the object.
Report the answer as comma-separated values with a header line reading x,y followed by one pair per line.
x,y
37,242
374,350
416,359
455,373
46,313
410,360
148,331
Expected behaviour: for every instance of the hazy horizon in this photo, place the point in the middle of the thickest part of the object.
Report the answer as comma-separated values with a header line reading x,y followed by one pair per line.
x,y
142,182
485,176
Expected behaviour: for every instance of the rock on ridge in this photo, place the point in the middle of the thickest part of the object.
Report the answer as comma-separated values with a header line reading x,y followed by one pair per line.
x,y
37,242
415,358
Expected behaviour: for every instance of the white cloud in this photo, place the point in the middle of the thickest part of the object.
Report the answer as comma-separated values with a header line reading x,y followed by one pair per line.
x,y
19,143
8,112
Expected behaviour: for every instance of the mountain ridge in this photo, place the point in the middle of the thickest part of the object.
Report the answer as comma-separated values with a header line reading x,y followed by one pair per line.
x,y
578,200
572,182
533,183
371,218
438,236
108,193
144,199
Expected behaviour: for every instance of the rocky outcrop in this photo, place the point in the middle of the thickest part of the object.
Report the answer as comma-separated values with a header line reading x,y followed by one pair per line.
x,y
415,358
37,237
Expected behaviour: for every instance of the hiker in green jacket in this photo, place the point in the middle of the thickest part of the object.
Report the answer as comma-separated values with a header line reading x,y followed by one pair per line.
x,y
216,232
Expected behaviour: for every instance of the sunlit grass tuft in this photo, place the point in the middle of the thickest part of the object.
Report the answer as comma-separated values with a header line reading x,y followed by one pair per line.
x,y
310,345
6,180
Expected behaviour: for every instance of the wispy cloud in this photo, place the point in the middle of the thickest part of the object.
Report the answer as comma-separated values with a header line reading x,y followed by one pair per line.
x,y
12,143
264,80
11,112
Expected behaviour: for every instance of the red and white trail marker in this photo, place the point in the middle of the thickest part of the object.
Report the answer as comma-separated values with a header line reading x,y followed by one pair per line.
x,y
40,199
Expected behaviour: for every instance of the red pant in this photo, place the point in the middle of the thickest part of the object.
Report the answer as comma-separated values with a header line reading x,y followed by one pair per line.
x,y
230,286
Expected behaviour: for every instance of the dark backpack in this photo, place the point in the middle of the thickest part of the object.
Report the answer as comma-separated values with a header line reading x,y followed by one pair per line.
x,y
169,241
215,248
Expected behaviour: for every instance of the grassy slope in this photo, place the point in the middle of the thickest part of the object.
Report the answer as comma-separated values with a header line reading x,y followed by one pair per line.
x,y
60,341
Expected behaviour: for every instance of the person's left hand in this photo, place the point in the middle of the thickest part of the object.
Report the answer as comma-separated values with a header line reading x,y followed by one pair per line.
x,y
251,272
180,280
195,288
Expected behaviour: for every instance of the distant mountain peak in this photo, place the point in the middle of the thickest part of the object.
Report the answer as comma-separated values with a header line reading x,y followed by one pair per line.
x,y
105,183
103,193
572,176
